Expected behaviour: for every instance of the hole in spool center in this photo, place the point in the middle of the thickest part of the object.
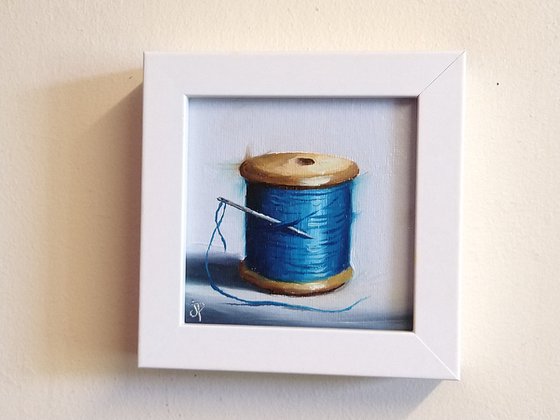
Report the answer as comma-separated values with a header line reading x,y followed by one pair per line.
x,y
305,161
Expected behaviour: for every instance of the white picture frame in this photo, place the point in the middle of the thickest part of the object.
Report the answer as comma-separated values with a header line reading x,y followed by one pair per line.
x,y
431,349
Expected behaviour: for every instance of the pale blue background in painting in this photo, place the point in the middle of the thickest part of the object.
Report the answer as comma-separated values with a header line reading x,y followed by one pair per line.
x,y
379,134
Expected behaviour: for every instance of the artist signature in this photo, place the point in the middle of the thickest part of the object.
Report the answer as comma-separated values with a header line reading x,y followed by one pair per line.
x,y
196,311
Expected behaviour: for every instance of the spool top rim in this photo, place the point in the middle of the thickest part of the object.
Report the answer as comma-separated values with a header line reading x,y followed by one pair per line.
x,y
298,169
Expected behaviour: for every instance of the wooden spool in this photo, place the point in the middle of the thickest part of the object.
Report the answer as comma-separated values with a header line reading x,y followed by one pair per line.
x,y
297,170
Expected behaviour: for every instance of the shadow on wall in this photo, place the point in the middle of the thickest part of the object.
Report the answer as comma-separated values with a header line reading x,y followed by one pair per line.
x,y
249,395
90,294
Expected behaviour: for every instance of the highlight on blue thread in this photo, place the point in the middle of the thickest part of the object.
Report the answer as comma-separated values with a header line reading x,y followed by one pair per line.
x,y
218,219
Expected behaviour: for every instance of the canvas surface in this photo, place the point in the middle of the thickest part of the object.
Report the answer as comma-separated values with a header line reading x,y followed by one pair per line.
x,y
378,134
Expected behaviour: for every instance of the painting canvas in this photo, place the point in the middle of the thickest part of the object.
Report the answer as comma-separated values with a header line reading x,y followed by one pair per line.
x,y
300,212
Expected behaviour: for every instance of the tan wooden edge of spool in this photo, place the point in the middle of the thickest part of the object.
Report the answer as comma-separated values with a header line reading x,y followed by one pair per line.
x,y
293,288
298,170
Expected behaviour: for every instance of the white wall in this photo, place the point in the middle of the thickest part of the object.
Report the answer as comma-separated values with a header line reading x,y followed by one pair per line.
x,y
70,131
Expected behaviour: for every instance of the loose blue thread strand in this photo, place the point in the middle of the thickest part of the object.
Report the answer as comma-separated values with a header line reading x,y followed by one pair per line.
x,y
218,218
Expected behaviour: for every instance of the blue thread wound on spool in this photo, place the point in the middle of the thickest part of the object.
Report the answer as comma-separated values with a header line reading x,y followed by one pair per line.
x,y
218,219
323,213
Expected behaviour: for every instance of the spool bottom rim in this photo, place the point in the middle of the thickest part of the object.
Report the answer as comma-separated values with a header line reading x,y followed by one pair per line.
x,y
292,288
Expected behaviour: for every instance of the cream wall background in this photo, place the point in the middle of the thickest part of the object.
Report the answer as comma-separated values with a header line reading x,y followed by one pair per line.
x,y
70,146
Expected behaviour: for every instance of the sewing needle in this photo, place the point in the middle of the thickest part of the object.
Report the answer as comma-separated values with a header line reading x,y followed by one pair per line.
x,y
263,217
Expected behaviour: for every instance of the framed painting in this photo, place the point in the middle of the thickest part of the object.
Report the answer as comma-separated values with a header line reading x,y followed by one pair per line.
x,y
301,213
